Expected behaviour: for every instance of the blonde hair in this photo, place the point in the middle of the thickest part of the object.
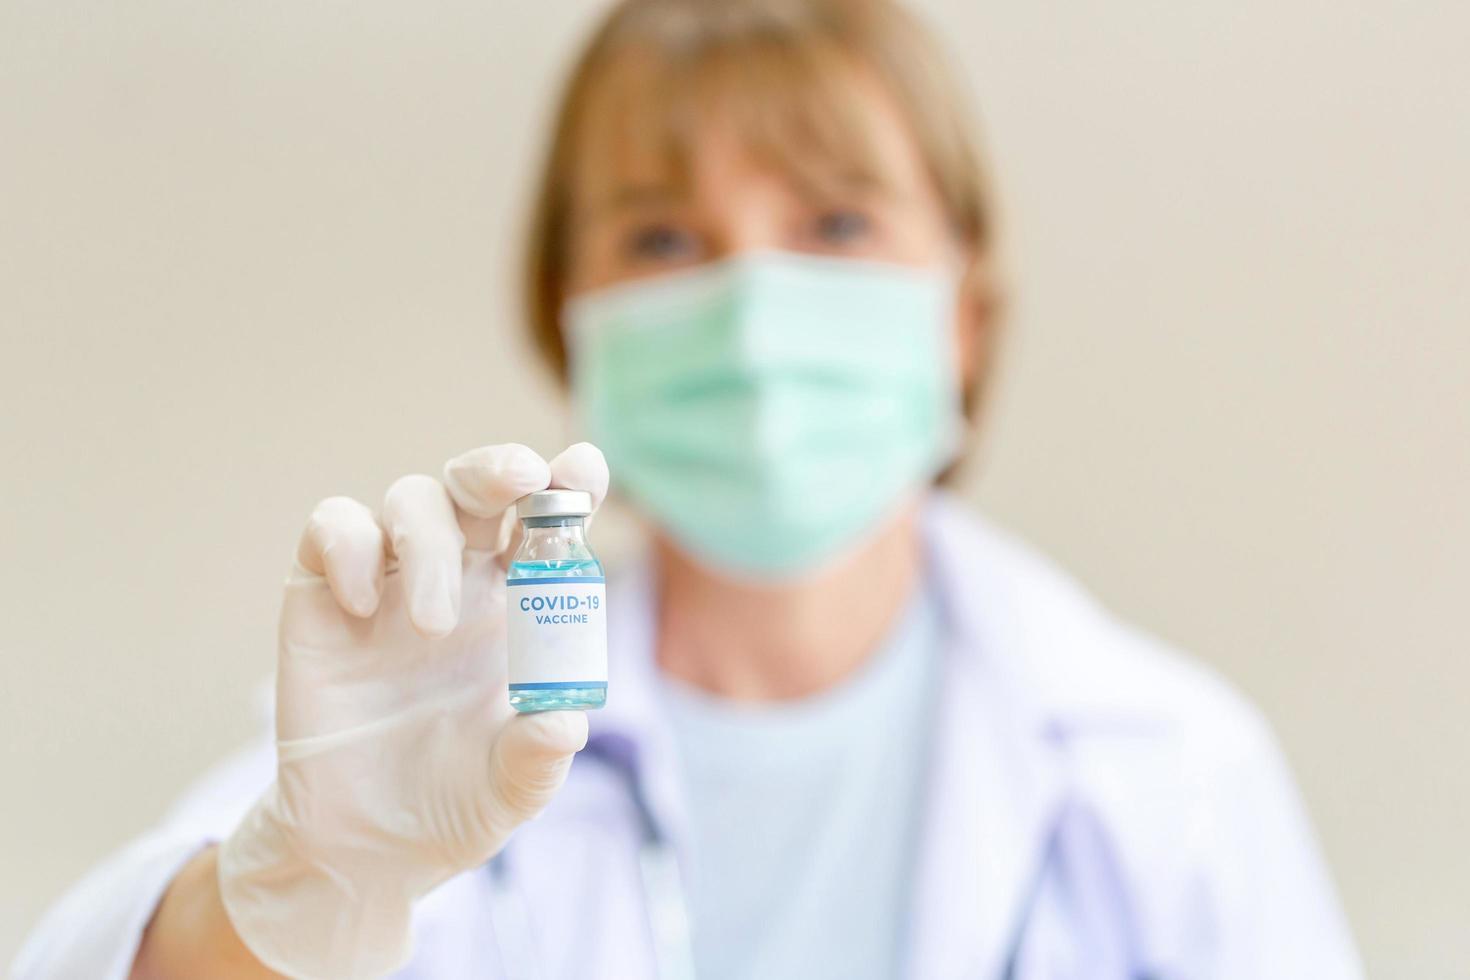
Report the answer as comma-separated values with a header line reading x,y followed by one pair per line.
x,y
784,71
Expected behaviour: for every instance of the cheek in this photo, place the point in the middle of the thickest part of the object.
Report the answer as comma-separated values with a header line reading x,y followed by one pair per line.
x,y
916,237
960,353
965,334
590,262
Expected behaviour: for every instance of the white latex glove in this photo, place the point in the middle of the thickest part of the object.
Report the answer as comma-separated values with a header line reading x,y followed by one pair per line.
x,y
400,762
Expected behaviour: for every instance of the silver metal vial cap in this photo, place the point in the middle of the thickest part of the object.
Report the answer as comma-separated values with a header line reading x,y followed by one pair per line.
x,y
554,503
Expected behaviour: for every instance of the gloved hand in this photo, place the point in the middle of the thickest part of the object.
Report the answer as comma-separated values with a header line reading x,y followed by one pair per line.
x,y
400,761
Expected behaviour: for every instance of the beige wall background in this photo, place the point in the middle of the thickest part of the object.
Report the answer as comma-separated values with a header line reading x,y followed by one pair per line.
x,y
255,254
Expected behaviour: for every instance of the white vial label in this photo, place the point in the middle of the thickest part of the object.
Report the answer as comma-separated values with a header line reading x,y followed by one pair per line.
x,y
558,631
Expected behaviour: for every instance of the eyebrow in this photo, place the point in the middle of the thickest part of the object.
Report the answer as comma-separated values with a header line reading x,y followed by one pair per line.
x,y
836,184
632,196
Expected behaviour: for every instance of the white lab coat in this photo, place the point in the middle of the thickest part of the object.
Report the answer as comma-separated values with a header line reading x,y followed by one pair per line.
x,y
1098,807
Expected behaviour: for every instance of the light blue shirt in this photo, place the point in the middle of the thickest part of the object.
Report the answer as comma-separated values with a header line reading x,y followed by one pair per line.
x,y
803,815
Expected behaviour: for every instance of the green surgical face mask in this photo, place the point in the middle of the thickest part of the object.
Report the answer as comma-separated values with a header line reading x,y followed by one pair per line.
x,y
771,410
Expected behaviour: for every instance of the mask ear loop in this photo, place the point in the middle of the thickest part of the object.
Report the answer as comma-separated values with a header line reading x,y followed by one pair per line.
x,y
975,281
951,442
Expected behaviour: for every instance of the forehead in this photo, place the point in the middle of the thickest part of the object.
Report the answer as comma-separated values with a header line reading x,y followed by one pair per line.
x,y
811,113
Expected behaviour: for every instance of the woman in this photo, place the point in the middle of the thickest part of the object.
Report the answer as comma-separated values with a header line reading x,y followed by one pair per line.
x,y
851,731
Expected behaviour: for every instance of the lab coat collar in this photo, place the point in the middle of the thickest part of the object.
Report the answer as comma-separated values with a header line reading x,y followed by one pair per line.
x,y
1016,677
996,783
634,725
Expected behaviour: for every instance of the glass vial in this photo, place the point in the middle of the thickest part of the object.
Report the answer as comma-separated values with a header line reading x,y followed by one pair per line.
x,y
556,607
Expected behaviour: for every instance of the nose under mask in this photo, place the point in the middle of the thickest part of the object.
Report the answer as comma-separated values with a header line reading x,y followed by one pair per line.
x,y
770,410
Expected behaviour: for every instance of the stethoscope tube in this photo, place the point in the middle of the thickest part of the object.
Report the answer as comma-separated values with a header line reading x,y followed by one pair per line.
x,y
663,889
658,865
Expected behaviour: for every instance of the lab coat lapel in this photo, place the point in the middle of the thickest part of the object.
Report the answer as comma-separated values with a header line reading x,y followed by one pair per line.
x,y
995,786
634,727
995,783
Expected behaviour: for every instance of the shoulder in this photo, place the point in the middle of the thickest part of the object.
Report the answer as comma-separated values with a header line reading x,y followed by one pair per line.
x,y
1152,740
1177,774
1173,769
1088,672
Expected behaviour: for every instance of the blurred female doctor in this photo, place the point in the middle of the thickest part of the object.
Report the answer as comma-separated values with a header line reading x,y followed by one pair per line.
x,y
852,730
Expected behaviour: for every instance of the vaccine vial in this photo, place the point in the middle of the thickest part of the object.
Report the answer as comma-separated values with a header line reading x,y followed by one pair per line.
x,y
556,607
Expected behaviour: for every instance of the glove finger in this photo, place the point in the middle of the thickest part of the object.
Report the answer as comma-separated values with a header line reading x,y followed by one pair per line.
x,y
484,482
343,542
529,763
581,466
424,534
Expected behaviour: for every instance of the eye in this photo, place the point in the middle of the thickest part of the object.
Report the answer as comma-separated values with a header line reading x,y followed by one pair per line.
x,y
660,242
842,226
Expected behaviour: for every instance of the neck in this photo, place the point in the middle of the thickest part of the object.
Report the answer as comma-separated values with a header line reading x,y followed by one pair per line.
x,y
764,643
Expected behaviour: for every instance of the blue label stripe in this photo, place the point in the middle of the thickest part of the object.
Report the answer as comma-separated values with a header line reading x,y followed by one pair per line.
x,y
561,686
560,580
